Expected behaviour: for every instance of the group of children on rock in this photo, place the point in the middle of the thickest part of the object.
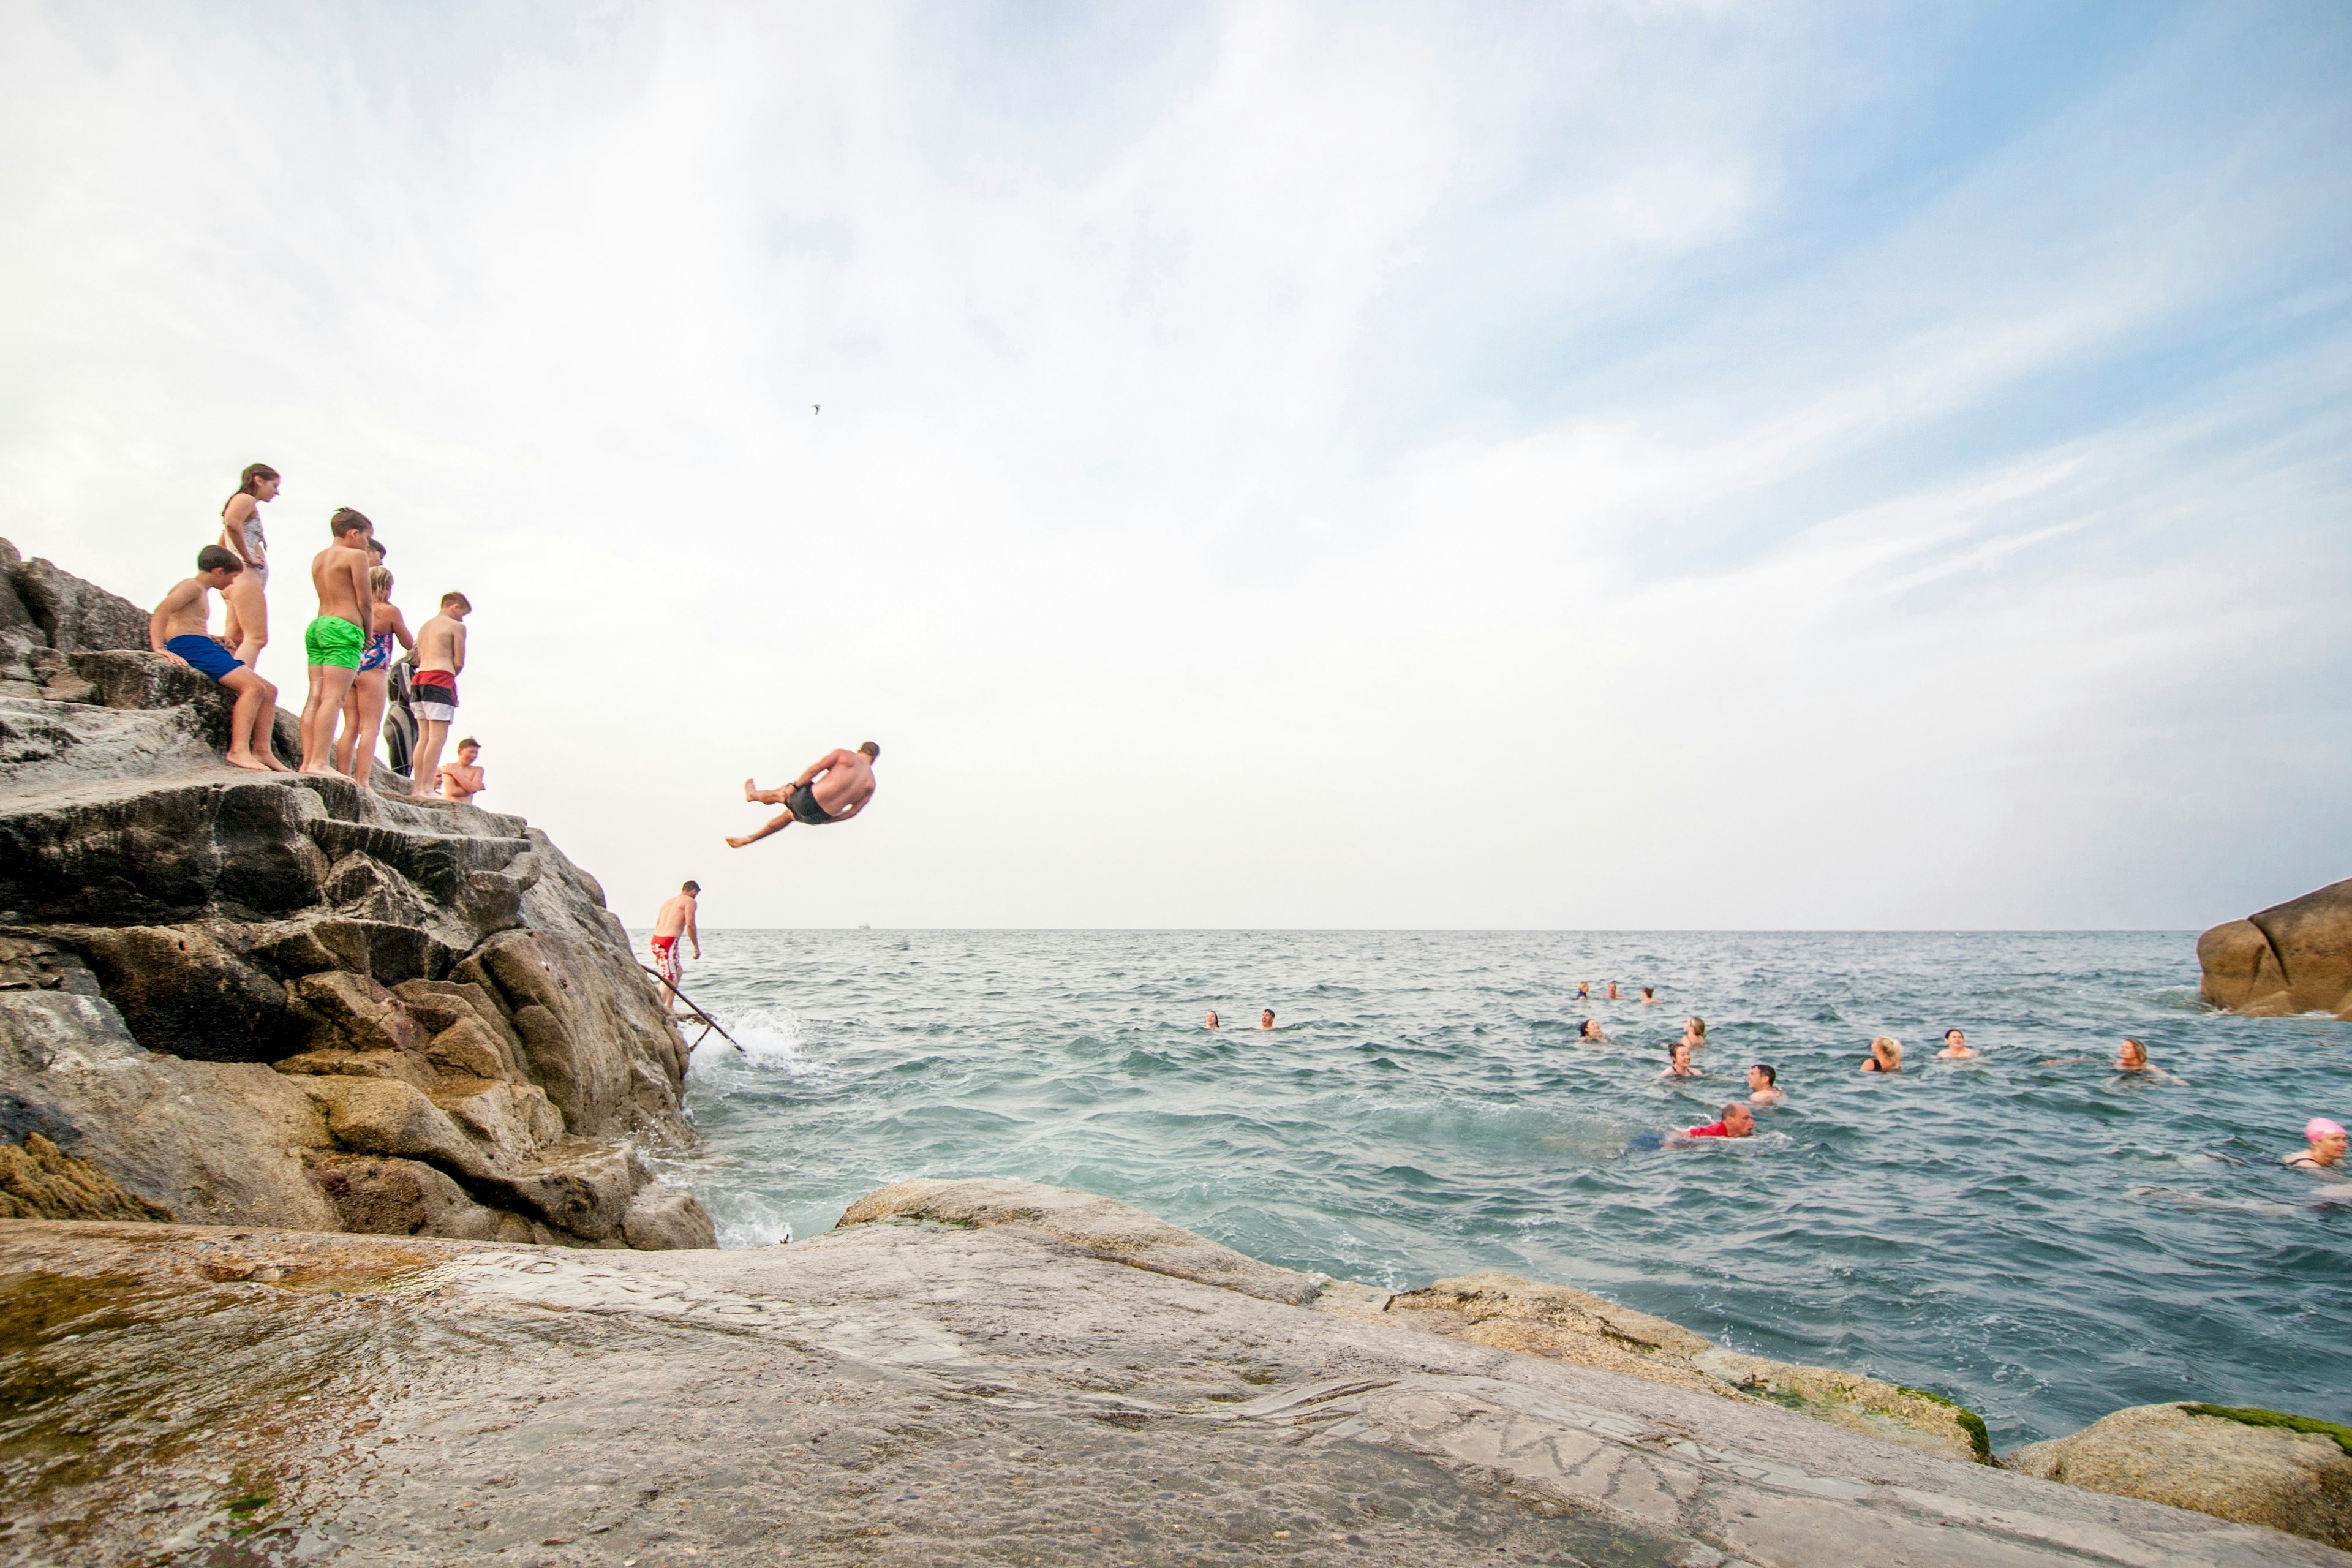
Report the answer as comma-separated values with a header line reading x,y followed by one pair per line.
x,y
348,647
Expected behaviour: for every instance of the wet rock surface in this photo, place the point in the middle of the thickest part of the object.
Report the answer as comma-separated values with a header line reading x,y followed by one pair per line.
x,y
2295,957
263,999
901,1392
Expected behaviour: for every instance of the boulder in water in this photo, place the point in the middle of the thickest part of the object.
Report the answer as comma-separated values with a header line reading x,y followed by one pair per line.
x,y
2295,957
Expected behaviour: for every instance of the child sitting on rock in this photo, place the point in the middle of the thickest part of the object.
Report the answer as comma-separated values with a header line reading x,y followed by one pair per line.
x,y
176,630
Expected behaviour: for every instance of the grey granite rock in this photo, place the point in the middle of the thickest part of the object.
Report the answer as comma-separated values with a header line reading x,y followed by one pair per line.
x,y
441,989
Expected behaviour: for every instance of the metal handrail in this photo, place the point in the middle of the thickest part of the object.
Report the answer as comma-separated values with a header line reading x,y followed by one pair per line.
x,y
707,1022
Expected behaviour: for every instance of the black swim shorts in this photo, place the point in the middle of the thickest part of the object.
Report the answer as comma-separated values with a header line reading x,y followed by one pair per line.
x,y
805,808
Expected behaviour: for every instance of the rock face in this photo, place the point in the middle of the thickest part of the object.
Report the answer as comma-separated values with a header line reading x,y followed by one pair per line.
x,y
261,999
911,1394
2295,957
1502,1311
2232,1464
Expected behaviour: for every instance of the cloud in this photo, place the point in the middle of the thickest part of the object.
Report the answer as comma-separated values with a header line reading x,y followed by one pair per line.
x,y
1276,465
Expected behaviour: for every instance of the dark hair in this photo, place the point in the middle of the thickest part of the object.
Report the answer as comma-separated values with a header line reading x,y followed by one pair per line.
x,y
1585,1025
1949,1033
218,558
872,752
346,519
689,887
1766,1068
470,740
254,472
1649,991
377,544
455,597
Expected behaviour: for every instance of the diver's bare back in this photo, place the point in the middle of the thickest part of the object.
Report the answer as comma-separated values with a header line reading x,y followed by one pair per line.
x,y
845,783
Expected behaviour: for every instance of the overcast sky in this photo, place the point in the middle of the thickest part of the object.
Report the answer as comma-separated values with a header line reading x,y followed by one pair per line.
x,y
1586,466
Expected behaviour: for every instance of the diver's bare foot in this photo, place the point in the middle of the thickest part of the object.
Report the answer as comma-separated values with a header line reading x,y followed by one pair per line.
x,y
737,843
751,790
249,763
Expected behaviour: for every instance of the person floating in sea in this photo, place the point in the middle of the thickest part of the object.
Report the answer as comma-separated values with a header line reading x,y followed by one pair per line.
x,y
370,689
1584,990
2131,1057
176,630
1212,1019
333,641
462,780
1885,1055
833,788
1649,995
1735,1123
1265,1019
1678,1062
672,920
2326,1142
1613,991
1589,1033
433,691
245,627
1764,1085
1956,1047
1694,1031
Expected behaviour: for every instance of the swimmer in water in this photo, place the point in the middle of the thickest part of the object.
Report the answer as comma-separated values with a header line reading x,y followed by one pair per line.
x,y
2327,1150
1736,1124
1956,1047
1764,1086
1265,1019
1613,991
1694,1031
2131,1057
1678,1063
1212,1019
1584,990
1885,1055
1590,1033
1649,995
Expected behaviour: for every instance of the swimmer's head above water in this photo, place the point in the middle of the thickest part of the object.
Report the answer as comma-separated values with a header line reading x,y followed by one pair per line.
x,y
2131,1057
1736,1124
1764,1085
1265,1019
1956,1044
2327,1140
1212,1019
1590,1031
1885,1055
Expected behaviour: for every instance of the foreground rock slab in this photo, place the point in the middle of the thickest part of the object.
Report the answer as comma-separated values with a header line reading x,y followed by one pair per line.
x,y
901,1392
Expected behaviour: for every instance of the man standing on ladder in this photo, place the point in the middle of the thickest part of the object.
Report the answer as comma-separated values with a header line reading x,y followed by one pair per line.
x,y
676,920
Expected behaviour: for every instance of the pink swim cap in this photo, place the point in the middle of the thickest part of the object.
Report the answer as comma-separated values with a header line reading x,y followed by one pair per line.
x,y
2319,1126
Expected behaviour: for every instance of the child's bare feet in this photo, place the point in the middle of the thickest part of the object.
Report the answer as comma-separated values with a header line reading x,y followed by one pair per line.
x,y
273,764
249,763
324,771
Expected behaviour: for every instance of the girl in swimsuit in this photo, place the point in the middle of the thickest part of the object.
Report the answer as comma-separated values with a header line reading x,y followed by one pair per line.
x,y
248,598
1885,1055
357,749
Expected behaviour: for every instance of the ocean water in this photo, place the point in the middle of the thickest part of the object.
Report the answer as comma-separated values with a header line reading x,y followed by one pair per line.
x,y
2031,1233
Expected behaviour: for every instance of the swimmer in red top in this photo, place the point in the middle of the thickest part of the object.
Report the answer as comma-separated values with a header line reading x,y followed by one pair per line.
x,y
1736,1124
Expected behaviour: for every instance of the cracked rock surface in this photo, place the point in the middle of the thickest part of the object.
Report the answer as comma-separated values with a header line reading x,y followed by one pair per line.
x,y
259,999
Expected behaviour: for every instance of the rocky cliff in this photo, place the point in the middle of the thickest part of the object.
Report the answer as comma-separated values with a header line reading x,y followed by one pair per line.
x,y
2295,957
257,999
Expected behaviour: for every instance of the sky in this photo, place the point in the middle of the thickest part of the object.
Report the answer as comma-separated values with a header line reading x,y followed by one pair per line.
x,y
1578,466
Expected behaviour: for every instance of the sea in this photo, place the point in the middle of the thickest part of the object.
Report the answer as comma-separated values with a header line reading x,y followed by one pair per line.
x,y
2031,1233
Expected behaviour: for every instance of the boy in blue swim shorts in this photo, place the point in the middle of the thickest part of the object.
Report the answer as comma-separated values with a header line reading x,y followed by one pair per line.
x,y
176,630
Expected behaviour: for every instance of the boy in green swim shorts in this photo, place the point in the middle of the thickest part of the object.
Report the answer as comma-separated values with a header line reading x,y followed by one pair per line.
x,y
333,641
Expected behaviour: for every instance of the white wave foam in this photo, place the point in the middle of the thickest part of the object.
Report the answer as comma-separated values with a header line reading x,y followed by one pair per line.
x,y
772,1039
